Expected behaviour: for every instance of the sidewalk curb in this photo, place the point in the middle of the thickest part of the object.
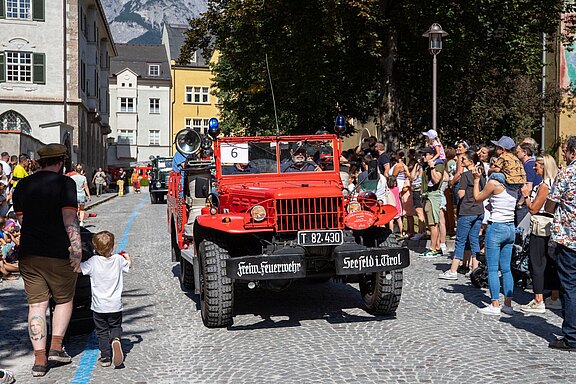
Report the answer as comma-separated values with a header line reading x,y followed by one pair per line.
x,y
99,201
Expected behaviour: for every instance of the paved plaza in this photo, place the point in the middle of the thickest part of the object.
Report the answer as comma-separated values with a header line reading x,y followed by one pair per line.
x,y
310,333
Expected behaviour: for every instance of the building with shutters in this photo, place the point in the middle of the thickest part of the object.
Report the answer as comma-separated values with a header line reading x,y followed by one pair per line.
x,y
139,105
193,103
54,64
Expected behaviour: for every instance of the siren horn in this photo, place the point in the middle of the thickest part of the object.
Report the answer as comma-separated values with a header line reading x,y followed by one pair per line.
x,y
188,142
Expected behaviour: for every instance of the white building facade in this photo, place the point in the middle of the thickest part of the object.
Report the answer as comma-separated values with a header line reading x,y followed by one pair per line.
x,y
140,105
54,65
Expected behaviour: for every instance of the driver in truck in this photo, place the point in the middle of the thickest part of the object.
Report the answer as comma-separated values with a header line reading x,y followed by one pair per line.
x,y
298,162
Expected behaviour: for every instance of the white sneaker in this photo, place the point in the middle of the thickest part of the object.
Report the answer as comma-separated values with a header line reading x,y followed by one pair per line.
x,y
553,304
533,307
418,236
490,310
448,275
443,247
507,309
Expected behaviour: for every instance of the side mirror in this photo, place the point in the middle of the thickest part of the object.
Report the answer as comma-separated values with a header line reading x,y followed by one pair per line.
x,y
373,170
202,187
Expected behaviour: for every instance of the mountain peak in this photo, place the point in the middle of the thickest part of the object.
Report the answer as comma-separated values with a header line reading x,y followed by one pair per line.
x,y
140,21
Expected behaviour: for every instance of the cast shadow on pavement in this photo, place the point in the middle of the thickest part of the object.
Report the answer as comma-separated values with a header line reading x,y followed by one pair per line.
x,y
535,324
14,339
330,301
189,293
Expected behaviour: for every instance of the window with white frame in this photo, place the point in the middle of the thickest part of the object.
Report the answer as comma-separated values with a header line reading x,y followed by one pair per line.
x,y
19,67
126,136
127,104
154,137
198,95
188,123
19,9
154,105
154,70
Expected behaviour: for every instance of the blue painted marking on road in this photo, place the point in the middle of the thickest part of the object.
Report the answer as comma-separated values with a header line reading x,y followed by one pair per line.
x,y
89,356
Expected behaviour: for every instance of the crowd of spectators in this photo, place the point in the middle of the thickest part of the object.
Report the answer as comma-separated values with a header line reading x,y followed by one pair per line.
x,y
486,196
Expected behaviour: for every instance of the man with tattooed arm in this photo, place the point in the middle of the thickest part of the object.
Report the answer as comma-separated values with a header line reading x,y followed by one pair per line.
x,y
50,251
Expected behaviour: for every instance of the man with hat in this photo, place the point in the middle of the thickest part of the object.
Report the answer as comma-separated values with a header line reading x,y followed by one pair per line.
x,y
432,175
50,251
298,162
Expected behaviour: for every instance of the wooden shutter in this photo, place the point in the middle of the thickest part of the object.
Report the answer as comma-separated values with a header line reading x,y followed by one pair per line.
x,y
39,68
2,67
2,9
38,10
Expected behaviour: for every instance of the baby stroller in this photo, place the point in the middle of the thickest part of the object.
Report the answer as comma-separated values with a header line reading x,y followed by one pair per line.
x,y
519,264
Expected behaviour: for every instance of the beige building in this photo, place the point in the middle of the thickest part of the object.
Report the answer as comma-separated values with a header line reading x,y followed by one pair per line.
x,y
193,103
54,64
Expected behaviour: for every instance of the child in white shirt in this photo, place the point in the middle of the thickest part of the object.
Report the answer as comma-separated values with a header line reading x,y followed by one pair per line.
x,y
105,271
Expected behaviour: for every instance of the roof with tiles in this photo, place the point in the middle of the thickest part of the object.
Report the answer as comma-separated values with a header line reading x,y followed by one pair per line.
x,y
176,38
138,58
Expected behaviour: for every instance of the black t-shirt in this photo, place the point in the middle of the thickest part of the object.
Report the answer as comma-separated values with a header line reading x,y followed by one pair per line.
x,y
382,161
466,205
40,198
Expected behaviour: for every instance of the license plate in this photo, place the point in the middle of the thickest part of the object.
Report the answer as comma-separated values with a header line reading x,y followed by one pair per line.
x,y
320,237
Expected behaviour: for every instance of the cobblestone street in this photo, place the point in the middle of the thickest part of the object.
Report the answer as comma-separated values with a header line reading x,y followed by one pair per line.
x,y
308,333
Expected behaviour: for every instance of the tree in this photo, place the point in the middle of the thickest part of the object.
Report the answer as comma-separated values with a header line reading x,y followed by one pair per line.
x,y
367,59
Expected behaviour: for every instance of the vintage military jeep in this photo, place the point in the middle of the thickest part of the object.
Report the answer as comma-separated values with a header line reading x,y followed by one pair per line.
x,y
158,181
269,210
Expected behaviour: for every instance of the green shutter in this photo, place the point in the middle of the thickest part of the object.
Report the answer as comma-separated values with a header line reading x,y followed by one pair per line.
x,y
2,68
39,68
2,9
38,10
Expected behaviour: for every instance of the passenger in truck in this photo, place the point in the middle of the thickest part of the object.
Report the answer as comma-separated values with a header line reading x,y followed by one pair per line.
x,y
239,169
299,163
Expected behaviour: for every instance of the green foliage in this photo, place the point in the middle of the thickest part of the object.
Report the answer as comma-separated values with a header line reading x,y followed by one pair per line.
x,y
367,58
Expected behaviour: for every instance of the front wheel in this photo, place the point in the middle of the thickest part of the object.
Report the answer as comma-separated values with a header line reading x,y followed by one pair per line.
x,y
381,291
216,289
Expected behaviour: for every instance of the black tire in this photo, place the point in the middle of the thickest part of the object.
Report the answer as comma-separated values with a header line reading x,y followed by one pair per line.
x,y
174,244
479,277
153,199
186,275
381,291
216,289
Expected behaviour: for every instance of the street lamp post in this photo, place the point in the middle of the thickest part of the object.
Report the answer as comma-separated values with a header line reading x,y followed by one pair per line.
x,y
434,35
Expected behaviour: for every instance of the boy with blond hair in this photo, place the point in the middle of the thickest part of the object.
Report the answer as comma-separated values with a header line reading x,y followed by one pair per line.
x,y
105,271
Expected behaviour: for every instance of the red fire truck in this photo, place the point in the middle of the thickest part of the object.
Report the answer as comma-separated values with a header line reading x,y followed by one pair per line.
x,y
265,211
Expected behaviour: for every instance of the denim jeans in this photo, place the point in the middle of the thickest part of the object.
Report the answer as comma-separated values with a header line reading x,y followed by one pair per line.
x,y
498,243
468,228
566,262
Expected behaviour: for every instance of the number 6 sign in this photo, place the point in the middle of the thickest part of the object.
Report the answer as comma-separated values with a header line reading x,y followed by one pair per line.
x,y
234,153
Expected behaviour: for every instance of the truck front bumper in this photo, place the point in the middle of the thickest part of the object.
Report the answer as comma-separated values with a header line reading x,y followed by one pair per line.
x,y
290,263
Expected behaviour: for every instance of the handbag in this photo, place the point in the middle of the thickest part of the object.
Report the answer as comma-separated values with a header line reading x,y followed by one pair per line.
x,y
541,224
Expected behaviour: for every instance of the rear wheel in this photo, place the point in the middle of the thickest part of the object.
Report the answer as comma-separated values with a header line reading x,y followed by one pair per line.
x,y
153,198
186,274
381,291
216,289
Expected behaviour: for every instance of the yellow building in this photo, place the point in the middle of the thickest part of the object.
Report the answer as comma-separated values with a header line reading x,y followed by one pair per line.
x,y
192,101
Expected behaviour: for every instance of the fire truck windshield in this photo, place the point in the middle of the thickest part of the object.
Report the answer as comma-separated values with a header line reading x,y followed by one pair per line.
x,y
252,157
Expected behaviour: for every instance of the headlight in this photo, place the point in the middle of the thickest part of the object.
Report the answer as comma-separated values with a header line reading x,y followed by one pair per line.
x,y
354,207
258,213
158,184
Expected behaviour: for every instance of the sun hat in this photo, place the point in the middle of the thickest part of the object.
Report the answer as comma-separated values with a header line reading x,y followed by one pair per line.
x,y
431,134
52,150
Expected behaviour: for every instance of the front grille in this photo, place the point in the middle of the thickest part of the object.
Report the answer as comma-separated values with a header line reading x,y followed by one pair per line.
x,y
308,214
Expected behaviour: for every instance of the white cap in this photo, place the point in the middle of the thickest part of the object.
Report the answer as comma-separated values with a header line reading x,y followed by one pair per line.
x,y
431,134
